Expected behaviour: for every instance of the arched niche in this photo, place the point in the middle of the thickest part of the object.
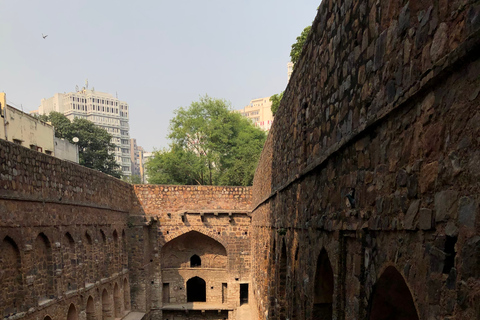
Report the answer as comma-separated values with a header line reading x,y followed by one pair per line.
x,y
117,301
323,288
90,309
196,290
70,262
177,252
43,268
391,299
195,261
72,313
10,277
107,306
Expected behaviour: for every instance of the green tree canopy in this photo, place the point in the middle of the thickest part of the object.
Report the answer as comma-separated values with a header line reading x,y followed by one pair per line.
x,y
210,145
94,143
298,45
275,99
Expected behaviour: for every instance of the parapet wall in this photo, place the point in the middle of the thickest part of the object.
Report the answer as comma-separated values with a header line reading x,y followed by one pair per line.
x,y
162,199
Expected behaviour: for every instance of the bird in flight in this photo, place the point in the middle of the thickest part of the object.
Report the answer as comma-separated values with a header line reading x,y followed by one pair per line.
x,y
44,36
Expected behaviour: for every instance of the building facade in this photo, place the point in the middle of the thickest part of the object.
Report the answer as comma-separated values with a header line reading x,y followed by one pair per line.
x,y
101,108
136,158
260,112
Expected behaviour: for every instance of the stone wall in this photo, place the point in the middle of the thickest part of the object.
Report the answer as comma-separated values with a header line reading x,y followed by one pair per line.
x,y
210,222
63,238
374,168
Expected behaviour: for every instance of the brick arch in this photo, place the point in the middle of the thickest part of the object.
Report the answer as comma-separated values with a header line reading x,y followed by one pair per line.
x,y
72,313
323,287
44,284
391,297
90,308
69,257
190,244
117,301
11,277
205,231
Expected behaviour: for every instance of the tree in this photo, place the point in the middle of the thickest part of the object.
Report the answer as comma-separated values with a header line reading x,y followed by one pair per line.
x,y
95,149
275,99
210,145
298,46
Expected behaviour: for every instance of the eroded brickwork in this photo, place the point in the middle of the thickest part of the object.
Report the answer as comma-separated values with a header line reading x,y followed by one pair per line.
x,y
58,227
373,159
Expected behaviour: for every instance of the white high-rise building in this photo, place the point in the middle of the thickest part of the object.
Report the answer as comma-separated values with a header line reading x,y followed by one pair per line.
x,y
101,108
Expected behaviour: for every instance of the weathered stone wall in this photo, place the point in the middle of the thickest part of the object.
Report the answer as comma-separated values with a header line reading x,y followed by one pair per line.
x,y
62,238
157,200
375,168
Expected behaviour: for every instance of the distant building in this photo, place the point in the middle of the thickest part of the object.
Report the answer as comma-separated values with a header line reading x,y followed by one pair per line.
x,y
146,157
23,129
101,108
289,70
260,112
136,158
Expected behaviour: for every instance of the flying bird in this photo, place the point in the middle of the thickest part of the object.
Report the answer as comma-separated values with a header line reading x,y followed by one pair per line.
x,y
44,36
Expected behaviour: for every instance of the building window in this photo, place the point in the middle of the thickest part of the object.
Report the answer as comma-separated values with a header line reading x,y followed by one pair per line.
x,y
195,261
19,142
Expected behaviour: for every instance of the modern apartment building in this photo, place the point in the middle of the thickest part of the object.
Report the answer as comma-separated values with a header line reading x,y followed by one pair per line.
x,y
101,108
260,112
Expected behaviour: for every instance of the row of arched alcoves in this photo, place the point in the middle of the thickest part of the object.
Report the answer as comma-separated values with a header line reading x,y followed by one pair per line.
x,y
107,306
391,298
35,271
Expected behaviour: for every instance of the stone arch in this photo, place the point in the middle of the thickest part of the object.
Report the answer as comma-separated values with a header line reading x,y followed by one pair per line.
x,y
70,262
104,255
195,261
107,305
117,301
126,295
177,252
72,313
10,266
391,298
202,230
47,318
323,288
43,268
196,290
88,260
90,309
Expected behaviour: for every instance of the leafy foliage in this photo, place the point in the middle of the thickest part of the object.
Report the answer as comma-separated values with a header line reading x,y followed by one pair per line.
x,y
94,146
298,46
275,99
210,146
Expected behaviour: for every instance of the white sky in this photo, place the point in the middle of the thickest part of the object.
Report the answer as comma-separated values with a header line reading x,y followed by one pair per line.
x,y
157,55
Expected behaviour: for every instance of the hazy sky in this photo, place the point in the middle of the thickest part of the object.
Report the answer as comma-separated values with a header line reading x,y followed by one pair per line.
x,y
157,55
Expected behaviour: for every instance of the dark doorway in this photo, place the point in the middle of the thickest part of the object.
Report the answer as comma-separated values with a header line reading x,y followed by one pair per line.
x,y
391,298
196,290
323,299
195,261
243,293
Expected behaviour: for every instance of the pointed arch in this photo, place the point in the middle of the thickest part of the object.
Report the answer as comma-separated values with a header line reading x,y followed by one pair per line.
x,y
43,268
90,309
70,262
10,264
107,305
104,255
72,313
323,288
88,258
117,301
177,253
391,299
196,290
126,294
195,261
